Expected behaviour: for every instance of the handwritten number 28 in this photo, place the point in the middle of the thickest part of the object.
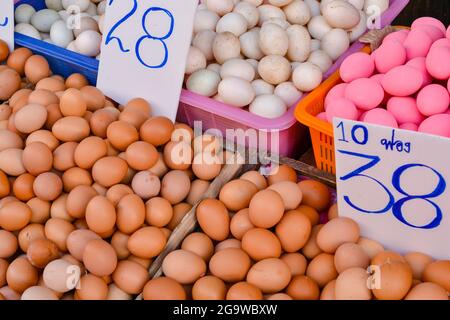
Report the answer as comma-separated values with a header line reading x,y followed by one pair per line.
x,y
397,207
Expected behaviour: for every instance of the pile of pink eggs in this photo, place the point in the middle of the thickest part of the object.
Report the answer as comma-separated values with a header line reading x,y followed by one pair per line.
x,y
403,84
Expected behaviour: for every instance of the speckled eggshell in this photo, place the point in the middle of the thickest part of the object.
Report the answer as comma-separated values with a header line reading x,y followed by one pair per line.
x,y
356,66
341,108
402,81
365,93
381,117
438,124
389,55
404,109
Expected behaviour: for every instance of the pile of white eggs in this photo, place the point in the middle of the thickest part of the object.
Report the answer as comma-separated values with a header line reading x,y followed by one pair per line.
x,y
265,53
72,24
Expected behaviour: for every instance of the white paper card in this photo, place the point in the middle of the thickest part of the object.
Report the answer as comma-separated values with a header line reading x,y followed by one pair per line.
x,y
7,22
144,51
396,185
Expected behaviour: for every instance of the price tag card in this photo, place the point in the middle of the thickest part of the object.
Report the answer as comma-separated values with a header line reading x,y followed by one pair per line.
x,y
396,185
7,22
144,51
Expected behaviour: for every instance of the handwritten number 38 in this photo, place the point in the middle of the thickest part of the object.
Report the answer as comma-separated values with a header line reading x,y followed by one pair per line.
x,y
397,207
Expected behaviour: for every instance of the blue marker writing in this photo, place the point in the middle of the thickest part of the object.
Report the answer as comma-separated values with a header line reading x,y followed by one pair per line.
x,y
4,23
399,145
110,37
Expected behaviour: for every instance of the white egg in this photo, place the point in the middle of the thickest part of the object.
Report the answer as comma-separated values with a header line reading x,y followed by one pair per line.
x,y
98,56
44,19
205,20
314,7
92,9
262,87
101,23
278,21
218,98
274,69
279,3
321,59
295,65
83,5
23,13
203,82
250,44
256,3
268,106
299,43
60,34
307,77
88,43
288,93
226,46
44,35
341,14
318,27
237,68
315,45
72,47
323,4
64,15
28,30
232,22
236,92
204,42
298,12
249,12
221,7
54,4
86,23
358,4
48,40
335,43
101,8
273,40
214,67
195,61
360,29
254,63
267,11
382,5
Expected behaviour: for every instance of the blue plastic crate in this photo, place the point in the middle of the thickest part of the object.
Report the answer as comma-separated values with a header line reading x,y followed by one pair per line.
x,y
62,61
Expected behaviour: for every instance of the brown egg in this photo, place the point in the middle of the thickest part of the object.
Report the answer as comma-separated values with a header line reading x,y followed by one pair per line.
x,y
91,288
130,213
209,288
160,168
134,117
8,244
269,275
175,186
163,289
40,210
352,284
310,213
303,288
200,244
109,171
121,134
94,98
296,262
10,81
158,212
119,241
101,190
229,243
37,158
100,215
179,211
4,51
11,162
206,167
350,255
19,97
315,194
78,240
89,151
23,187
99,258
293,231
386,257
130,276
157,131
328,292
182,132
73,103
289,192
75,177
3,267
6,200
5,112
17,59
337,232
427,291
266,209
244,291
208,144
41,251
30,233
418,263
58,230
14,216
45,137
5,187
100,121
256,178
371,247
115,293
213,218
58,208
71,129
117,192
184,266
9,140
36,68
198,189
42,97
240,223
21,275
261,244
146,185
322,270
139,104
47,186
236,194
63,156
333,212
141,155
311,249
146,263
438,272
282,173
77,81
78,199
395,280
147,242
51,84
178,155
61,275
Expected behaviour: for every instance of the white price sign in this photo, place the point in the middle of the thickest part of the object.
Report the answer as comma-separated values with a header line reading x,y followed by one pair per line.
x,y
7,22
144,51
396,185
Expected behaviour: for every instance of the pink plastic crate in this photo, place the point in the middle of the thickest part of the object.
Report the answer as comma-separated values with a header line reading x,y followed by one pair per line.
x,y
292,135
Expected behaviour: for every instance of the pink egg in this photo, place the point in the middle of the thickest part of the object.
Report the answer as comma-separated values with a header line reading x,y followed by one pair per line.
x,y
377,77
448,85
448,33
448,111
336,92
444,42
404,110
438,63
380,116
402,81
342,108
399,36
362,116
409,126
389,55
433,32
365,93
429,21
419,63
356,66
417,44
433,99
439,125
322,116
